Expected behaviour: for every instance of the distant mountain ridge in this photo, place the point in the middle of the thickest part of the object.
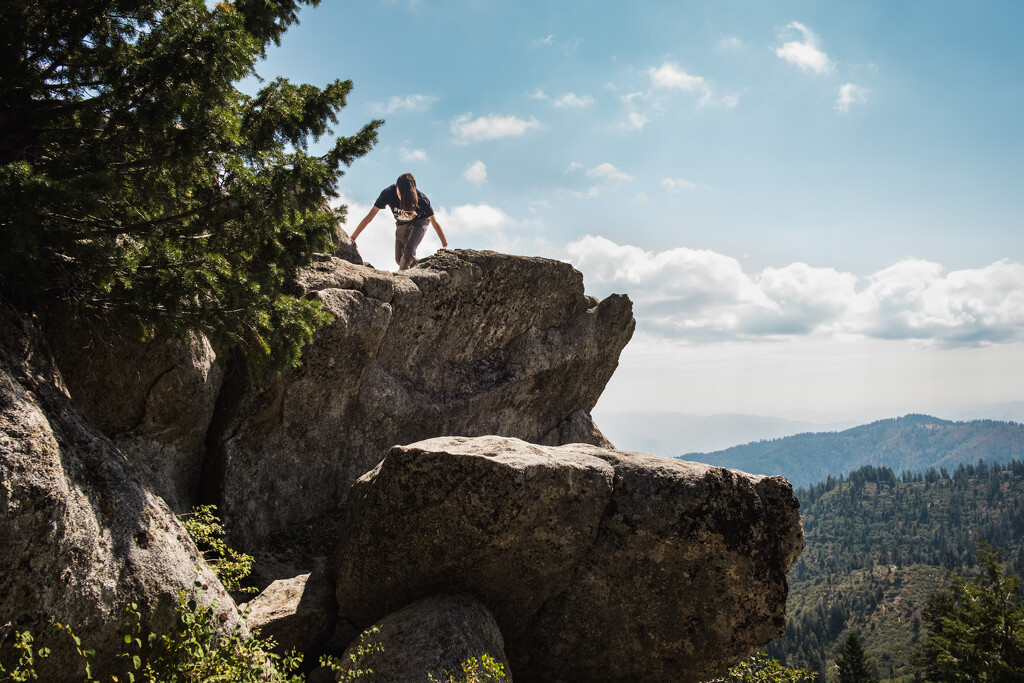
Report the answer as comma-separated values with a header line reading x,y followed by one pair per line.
x,y
913,442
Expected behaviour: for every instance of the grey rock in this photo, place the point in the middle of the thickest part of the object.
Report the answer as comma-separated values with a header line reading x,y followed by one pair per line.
x,y
432,637
82,536
154,399
598,565
467,343
299,613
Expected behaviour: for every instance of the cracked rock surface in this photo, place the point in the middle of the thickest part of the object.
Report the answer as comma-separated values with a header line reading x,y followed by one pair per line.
x,y
598,565
82,536
467,343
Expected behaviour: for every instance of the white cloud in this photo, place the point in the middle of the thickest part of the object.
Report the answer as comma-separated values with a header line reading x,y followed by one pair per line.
x,y
730,43
669,75
547,40
678,184
476,173
467,129
806,53
850,94
412,154
635,121
609,173
702,296
412,103
573,166
571,99
539,95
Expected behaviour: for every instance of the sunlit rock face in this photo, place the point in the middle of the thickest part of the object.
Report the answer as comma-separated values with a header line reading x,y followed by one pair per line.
x,y
467,343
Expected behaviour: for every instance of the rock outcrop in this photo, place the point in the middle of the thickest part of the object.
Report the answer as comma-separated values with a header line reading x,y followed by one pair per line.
x,y
598,565
82,537
431,637
298,613
466,343
154,399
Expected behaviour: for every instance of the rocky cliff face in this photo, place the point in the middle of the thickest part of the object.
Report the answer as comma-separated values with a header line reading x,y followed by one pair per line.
x,y
468,343
82,536
573,564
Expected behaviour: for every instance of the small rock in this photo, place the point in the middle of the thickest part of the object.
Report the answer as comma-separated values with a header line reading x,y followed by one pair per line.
x,y
431,637
299,613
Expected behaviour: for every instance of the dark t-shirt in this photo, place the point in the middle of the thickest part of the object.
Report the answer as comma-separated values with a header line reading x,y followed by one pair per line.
x,y
389,197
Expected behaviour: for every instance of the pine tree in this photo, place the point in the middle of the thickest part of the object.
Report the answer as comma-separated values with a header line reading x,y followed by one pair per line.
x,y
975,627
137,180
852,663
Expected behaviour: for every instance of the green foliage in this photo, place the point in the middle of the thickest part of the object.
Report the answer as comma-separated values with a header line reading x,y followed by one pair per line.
x,y
475,671
852,663
761,668
195,651
230,566
137,181
877,544
345,672
27,654
976,627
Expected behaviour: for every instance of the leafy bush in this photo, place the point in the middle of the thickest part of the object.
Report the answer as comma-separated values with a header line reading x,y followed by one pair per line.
x,y
207,532
763,669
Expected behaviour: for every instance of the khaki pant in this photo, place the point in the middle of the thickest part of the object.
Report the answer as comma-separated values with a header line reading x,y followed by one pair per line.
x,y
407,237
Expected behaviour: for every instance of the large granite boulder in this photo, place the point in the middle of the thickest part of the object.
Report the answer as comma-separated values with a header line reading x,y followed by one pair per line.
x,y
154,399
598,565
466,343
81,536
434,636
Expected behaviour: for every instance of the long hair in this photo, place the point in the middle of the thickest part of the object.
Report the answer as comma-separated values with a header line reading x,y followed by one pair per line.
x,y
409,197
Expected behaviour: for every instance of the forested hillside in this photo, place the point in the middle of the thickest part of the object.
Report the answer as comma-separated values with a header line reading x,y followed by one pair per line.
x,y
877,545
912,442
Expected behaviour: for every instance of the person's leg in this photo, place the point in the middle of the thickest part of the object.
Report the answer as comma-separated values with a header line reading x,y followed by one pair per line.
x,y
401,234
412,238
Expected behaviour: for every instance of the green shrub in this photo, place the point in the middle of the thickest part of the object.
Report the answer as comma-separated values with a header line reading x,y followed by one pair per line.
x,y
206,530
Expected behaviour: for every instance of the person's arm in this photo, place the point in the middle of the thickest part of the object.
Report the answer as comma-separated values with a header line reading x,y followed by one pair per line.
x,y
439,231
363,223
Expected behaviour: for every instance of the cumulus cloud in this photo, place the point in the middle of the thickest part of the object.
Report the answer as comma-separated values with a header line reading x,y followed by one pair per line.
x,y
412,154
412,103
807,53
849,95
669,75
476,173
467,129
702,296
608,173
571,99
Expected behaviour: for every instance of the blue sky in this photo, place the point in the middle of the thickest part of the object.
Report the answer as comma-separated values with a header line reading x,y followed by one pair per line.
x,y
815,206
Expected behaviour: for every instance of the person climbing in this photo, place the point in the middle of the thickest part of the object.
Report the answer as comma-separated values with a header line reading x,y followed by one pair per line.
x,y
412,212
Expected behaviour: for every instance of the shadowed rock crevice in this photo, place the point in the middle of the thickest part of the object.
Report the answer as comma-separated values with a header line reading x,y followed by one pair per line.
x,y
82,535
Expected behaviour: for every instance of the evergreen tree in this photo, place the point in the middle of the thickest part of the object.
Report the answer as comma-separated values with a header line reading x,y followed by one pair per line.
x,y
137,180
852,663
975,627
